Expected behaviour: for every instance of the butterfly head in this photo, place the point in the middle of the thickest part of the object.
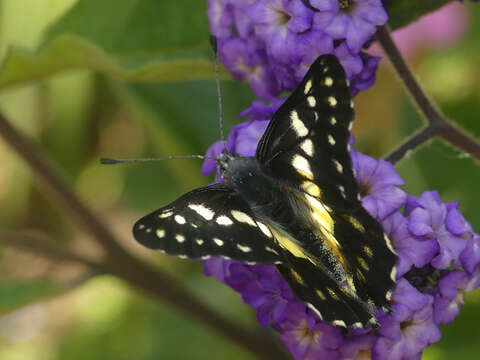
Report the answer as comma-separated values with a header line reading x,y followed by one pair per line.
x,y
225,161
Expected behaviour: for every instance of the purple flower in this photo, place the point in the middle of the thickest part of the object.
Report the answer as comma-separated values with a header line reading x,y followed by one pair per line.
x,y
264,289
306,338
211,154
452,287
367,77
272,43
470,256
351,61
221,18
410,328
244,59
245,136
409,250
378,183
431,218
277,22
353,20
358,347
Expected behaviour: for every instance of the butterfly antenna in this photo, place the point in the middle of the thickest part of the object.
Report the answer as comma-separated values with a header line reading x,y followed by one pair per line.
x,y
109,161
213,41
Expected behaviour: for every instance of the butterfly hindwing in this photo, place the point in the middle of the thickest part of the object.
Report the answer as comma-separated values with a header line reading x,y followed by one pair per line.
x,y
368,255
334,302
210,221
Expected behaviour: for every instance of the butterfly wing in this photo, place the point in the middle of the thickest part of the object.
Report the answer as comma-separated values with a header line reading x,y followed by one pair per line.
x,y
308,136
209,221
333,302
307,145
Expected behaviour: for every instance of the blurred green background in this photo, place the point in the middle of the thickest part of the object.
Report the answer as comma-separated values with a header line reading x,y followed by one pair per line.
x,y
88,79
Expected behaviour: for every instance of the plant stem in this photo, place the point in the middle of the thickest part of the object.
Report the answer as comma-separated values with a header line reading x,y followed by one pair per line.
x,y
122,264
45,247
419,138
437,124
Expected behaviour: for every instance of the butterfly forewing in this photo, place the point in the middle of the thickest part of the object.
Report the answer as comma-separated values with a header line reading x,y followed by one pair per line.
x,y
307,140
210,221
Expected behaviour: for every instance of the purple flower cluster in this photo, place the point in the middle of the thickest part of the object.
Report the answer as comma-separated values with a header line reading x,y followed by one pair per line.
x,y
439,261
272,43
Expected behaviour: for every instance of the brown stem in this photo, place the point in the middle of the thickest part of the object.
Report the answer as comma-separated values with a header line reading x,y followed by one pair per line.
x,y
438,125
121,263
419,138
46,248
427,107
461,140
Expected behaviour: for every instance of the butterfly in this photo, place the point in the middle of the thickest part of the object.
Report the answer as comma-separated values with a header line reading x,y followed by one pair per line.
x,y
295,205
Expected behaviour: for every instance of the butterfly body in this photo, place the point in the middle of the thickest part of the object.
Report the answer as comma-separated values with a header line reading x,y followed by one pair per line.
x,y
294,205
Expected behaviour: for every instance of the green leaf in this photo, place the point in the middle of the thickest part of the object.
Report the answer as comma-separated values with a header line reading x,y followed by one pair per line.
x,y
15,294
132,40
404,12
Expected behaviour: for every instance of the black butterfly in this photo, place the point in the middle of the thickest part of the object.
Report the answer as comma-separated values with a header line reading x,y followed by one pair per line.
x,y
295,204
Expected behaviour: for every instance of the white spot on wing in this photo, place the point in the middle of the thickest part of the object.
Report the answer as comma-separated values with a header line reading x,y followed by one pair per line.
x,y
244,248
240,216
328,81
342,190
308,86
268,248
165,214
199,241
218,241
160,233
357,325
302,165
339,323
180,219
180,238
202,210
350,125
389,243
298,124
307,146
311,101
351,104
332,101
393,274
314,309
332,120
182,256
224,220
205,257
264,229
331,140
141,227
338,166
